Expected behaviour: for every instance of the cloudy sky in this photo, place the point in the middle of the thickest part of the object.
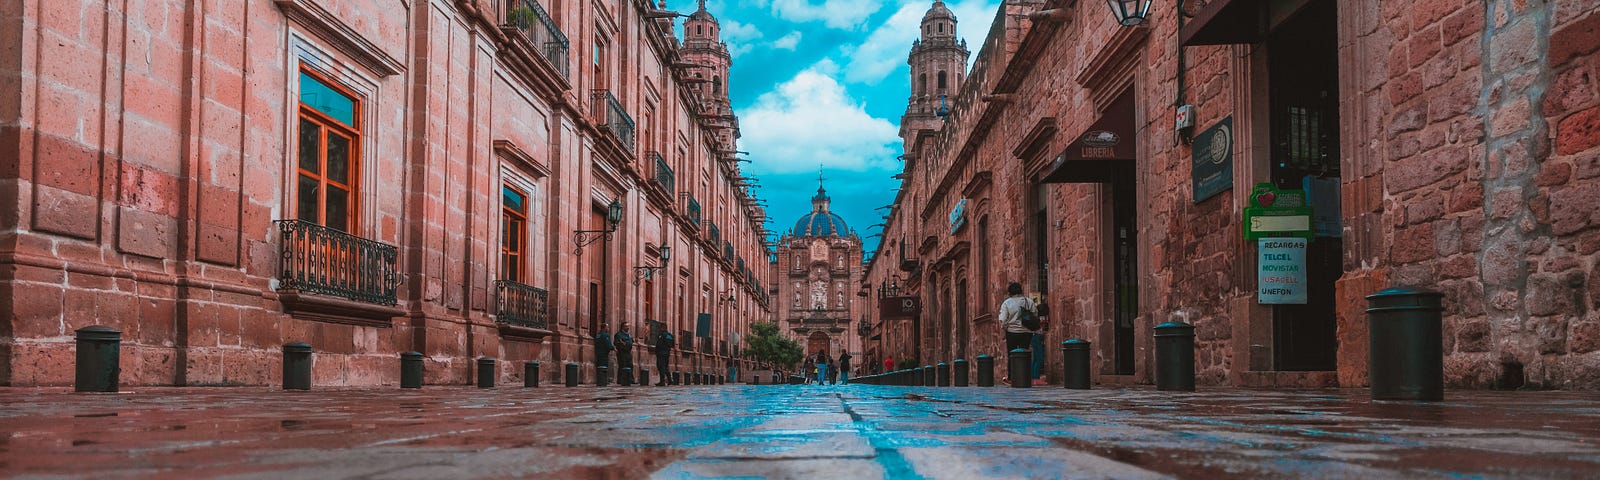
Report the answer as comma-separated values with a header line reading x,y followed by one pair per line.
x,y
822,84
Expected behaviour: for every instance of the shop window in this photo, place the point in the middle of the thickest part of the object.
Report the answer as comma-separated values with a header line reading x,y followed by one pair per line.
x,y
328,149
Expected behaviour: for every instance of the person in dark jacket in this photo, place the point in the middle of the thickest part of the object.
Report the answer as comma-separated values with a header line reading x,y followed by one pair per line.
x,y
844,367
624,343
663,353
602,349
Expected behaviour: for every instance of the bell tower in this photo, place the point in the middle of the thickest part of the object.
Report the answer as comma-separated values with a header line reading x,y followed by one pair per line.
x,y
704,49
938,66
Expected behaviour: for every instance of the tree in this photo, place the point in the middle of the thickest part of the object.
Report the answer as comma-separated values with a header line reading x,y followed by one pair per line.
x,y
769,346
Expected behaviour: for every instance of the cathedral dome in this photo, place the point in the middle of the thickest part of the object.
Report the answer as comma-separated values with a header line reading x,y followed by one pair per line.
x,y
938,12
821,222
702,14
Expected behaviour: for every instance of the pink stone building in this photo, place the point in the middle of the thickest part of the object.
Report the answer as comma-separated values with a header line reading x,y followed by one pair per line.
x,y
818,265
217,179
1444,145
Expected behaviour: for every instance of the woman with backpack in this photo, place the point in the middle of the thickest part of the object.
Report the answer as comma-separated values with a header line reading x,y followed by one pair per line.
x,y
1019,319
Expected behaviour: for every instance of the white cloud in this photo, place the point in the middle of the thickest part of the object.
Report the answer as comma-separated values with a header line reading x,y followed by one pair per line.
x,y
811,120
887,46
741,38
840,14
788,42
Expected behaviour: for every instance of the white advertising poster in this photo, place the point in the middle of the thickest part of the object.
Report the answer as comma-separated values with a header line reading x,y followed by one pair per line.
x,y
1281,271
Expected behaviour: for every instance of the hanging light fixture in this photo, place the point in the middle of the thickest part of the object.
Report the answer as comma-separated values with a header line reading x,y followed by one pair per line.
x,y
1130,12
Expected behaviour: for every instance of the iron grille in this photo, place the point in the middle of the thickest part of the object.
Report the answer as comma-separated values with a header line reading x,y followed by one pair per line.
x,y
664,176
713,233
694,211
521,305
328,261
686,340
608,112
528,17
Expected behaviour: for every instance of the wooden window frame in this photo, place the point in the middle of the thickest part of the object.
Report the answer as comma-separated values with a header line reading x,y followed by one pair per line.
x,y
329,125
513,258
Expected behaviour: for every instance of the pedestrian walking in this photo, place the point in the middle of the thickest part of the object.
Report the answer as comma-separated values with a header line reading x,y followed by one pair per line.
x,y
888,364
663,351
602,349
844,367
833,371
624,343
822,366
1016,313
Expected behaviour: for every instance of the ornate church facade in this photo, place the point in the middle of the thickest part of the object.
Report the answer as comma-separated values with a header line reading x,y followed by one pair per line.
x,y
818,264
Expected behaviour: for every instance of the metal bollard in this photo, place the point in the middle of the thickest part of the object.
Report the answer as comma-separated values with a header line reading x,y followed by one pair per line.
x,y
530,374
571,375
486,372
602,376
985,371
644,377
1075,363
1175,356
411,370
1019,362
99,367
297,366
1405,345
625,377
928,376
959,376
943,374
677,378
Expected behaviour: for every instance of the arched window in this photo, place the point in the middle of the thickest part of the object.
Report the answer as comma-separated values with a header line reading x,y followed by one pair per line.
x,y
942,82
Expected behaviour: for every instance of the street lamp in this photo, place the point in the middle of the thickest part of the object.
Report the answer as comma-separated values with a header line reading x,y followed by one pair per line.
x,y
642,273
1130,12
585,237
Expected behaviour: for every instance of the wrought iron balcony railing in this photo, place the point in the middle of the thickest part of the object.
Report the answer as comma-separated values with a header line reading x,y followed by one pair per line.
x,y
663,175
727,249
693,211
608,112
713,233
686,340
521,305
528,17
328,261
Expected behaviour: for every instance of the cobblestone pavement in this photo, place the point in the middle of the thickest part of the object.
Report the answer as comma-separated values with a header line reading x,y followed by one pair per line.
x,y
832,432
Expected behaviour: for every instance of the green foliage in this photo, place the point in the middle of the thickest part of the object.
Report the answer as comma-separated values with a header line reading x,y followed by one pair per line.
x,y
769,346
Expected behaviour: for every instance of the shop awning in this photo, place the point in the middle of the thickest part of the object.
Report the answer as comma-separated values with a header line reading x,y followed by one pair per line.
x,y
1093,156
1226,22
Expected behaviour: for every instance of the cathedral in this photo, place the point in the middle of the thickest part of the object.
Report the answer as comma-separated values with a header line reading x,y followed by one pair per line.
x,y
817,265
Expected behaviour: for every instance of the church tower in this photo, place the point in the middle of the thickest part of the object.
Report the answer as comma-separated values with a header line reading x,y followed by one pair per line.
x,y
703,47
938,66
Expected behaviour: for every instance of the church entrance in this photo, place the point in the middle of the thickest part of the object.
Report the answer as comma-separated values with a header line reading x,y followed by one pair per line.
x,y
817,342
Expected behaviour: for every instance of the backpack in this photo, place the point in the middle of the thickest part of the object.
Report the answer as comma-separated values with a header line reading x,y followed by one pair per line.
x,y
1029,317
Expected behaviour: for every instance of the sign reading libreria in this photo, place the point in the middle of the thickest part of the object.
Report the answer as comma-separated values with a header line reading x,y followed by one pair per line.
x,y
1212,171
1281,271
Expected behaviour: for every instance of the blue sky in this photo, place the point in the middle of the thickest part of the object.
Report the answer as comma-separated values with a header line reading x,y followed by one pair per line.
x,y
823,83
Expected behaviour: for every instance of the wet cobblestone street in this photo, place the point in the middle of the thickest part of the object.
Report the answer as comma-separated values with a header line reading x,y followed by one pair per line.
x,y
833,432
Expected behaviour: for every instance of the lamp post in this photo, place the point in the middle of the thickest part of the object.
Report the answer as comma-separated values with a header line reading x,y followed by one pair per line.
x,y
1130,12
642,273
585,237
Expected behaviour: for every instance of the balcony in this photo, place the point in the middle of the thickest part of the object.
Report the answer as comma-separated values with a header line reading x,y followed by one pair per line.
x,y
520,305
608,112
692,210
727,250
529,18
713,233
328,261
663,175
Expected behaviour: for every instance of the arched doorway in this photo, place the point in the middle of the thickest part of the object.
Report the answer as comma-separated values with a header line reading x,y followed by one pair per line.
x,y
818,342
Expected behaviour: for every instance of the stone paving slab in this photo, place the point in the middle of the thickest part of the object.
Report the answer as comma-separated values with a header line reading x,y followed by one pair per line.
x,y
830,432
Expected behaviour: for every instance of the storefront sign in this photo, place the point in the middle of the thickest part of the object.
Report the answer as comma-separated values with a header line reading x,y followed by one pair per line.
x,y
958,216
899,307
1213,160
1281,271
1276,213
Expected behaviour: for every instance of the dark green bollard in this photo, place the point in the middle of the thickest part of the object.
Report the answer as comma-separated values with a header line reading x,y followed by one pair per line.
x,y
677,378
602,376
1405,345
1175,356
928,376
1075,363
625,377
486,372
1018,362
644,377
411,370
99,367
985,371
530,374
959,376
571,375
297,366
943,373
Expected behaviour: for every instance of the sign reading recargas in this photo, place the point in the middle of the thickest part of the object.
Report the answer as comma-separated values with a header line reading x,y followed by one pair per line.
x,y
1281,271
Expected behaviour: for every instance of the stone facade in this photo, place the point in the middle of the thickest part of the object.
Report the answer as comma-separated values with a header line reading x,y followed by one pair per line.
x,y
217,179
1458,135
816,268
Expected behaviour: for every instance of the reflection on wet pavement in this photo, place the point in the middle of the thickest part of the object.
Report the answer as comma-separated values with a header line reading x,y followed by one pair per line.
x,y
832,432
